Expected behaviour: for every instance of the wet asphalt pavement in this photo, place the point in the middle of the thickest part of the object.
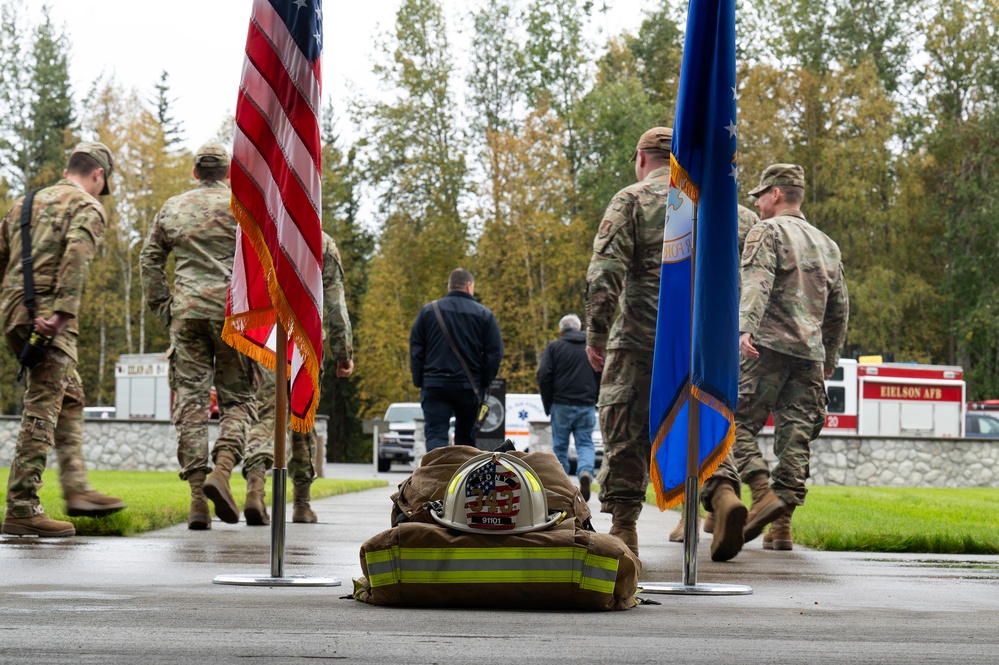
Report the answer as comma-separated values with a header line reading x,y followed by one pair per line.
x,y
151,599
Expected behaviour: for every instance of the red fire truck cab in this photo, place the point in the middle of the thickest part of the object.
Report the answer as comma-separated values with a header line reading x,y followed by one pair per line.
x,y
871,398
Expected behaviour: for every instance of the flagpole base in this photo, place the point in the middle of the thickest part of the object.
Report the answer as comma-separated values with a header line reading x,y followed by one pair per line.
x,y
261,580
680,589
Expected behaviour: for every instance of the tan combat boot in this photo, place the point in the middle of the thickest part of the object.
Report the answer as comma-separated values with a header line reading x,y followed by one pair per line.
x,y
91,503
255,509
627,531
198,516
779,535
676,535
217,488
709,523
730,519
38,524
301,510
766,507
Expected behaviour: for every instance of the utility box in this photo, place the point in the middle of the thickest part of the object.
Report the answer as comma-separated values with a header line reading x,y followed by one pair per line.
x,y
142,386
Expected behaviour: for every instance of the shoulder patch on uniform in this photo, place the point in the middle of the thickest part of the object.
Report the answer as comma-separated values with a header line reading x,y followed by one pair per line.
x,y
605,228
755,234
755,239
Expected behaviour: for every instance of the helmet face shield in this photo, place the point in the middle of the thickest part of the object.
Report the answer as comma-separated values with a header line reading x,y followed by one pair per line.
x,y
495,493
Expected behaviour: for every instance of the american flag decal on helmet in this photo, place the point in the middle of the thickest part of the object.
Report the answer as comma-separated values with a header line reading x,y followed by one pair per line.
x,y
492,497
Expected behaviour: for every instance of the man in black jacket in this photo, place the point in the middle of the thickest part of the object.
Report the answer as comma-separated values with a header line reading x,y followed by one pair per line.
x,y
445,387
569,390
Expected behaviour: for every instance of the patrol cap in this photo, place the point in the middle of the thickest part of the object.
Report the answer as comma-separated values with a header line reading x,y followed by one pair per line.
x,y
657,138
775,175
211,154
102,154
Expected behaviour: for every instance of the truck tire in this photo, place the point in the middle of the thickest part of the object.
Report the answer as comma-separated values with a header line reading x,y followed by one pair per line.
x,y
384,464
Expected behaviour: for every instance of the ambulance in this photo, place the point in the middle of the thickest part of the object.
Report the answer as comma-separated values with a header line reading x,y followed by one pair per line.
x,y
872,398
522,408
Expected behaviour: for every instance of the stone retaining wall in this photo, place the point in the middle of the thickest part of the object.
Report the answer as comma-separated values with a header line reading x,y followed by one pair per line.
x,y
132,445
900,462
144,445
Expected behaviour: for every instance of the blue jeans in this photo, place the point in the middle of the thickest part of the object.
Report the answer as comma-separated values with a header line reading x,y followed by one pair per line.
x,y
439,404
579,421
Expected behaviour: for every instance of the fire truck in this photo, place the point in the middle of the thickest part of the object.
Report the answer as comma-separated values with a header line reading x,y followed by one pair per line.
x,y
871,398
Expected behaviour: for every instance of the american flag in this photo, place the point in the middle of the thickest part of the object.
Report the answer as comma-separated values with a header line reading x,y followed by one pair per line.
x,y
492,497
276,195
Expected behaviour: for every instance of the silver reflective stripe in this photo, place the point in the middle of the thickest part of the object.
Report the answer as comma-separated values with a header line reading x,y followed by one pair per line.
x,y
427,565
381,568
602,574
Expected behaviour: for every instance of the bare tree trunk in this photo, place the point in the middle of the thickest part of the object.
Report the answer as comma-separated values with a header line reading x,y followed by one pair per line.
x,y
142,324
128,301
101,358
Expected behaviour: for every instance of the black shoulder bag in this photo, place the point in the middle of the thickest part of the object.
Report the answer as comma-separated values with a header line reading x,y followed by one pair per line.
x,y
34,350
483,404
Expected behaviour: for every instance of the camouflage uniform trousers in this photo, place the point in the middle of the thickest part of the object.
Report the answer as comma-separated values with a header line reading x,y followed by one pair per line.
x,y
793,390
260,445
198,355
624,423
53,416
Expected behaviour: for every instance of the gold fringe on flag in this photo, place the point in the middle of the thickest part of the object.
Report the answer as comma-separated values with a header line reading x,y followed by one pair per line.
x,y
280,313
681,178
675,496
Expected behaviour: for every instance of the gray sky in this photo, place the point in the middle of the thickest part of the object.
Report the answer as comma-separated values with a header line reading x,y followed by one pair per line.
x,y
200,44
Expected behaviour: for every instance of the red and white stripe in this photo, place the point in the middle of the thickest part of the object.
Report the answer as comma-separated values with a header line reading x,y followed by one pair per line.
x,y
276,197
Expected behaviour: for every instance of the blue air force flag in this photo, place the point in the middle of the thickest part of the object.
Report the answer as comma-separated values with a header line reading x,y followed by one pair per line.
x,y
697,332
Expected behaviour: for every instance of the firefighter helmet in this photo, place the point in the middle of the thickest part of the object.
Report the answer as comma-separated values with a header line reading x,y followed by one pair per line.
x,y
495,493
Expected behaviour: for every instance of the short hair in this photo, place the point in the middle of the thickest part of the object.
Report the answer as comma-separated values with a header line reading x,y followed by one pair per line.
x,y
82,164
792,194
209,173
569,323
656,155
459,279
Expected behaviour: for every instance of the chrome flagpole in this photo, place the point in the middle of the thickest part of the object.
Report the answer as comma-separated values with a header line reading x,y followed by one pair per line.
x,y
691,526
279,490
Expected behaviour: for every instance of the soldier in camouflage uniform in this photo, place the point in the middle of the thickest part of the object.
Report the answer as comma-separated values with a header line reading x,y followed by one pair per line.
x,y
67,223
747,219
792,321
260,446
625,269
199,229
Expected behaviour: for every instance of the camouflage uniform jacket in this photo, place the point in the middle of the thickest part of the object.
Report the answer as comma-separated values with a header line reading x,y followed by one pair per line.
x,y
340,337
794,297
747,220
626,265
66,227
198,227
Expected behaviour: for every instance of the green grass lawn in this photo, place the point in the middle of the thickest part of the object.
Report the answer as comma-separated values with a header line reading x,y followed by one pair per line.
x,y
158,499
897,519
859,519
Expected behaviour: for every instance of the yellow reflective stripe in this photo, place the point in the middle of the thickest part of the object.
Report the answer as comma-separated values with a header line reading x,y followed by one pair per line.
x,y
380,556
455,565
599,573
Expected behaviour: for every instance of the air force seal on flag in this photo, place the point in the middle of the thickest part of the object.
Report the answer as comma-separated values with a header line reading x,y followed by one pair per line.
x,y
678,239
